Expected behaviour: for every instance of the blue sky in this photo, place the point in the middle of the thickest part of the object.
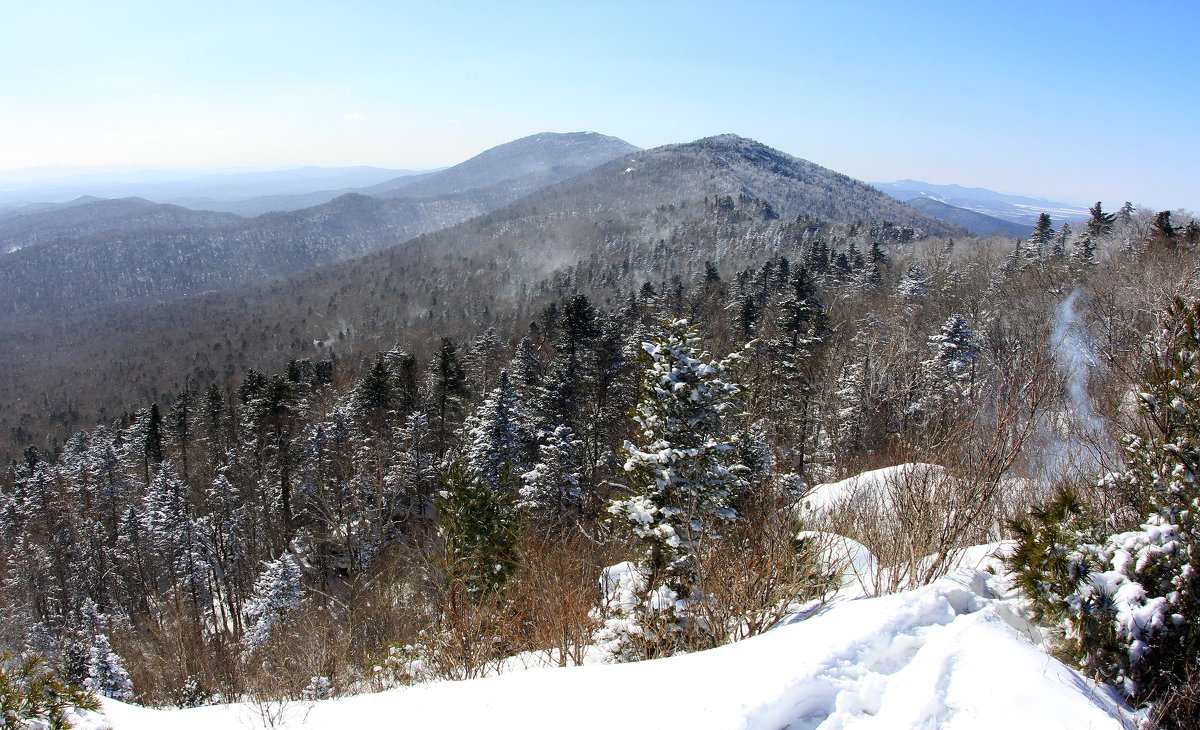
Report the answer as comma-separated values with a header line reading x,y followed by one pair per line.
x,y
1071,100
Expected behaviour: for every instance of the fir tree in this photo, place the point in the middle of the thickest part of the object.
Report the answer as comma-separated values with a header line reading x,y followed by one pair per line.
x,y
915,282
950,373
278,591
551,487
803,330
497,441
106,673
1101,223
684,473
1039,240
479,528
447,393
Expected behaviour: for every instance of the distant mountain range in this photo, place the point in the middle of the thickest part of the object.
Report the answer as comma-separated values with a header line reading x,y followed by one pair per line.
x,y
98,251
1017,209
243,192
143,295
977,223
88,217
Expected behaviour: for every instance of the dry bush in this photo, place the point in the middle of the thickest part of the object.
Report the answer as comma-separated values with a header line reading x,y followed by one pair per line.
x,y
551,601
164,657
467,639
917,521
1180,707
757,575
343,627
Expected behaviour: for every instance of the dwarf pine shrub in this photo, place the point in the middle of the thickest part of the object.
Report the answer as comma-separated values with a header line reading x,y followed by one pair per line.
x,y
1128,600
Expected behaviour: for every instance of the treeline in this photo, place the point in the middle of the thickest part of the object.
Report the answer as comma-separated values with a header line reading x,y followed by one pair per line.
x,y
431,509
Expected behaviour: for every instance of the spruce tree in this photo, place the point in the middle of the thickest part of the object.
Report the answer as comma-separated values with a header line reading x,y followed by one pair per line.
x,y
479,529
447,394
551,488
278,591
950,373
1101,223
1039,240
684,471
106,673
496,438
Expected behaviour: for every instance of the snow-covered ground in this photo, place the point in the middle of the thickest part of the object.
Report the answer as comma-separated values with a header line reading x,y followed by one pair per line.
x,y
954,654
870,487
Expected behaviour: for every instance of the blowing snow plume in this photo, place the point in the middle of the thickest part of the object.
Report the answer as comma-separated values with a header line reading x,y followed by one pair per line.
x,y
1074,443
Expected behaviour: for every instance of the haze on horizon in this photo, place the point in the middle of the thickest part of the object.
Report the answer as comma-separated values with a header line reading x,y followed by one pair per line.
x,y
1068,103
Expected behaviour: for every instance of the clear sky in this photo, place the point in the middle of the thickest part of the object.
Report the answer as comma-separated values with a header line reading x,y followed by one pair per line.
x,y
1070,100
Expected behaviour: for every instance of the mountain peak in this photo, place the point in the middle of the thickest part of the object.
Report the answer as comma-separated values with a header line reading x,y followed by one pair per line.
x,y
521,166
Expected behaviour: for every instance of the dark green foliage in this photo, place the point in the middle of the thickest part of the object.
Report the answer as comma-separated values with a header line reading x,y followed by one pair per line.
x,y
1043,234
1163,228
480,528
30,691
1043,565
1101,223
447,393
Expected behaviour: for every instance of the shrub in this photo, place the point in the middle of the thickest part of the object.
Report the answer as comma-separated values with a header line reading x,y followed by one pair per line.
x,y
33,695
1128,599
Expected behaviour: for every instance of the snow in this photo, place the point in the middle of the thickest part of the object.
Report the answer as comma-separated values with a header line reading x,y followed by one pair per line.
x,y
954,654
873,487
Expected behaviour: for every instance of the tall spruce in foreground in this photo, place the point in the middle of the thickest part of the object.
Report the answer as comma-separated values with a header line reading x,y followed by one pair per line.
x,y
684,475
1129,601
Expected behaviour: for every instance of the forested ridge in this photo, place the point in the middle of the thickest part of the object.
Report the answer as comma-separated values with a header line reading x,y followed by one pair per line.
x,y
450,498
131,321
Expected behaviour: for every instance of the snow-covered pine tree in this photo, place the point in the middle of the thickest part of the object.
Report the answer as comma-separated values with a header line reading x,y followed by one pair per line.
x,y
484,359
412,475
497,441
802,331
850,402
950,373
446,392
106,673
278,591
1083,254
1040,239
1061,240
683,470
551,488
915,282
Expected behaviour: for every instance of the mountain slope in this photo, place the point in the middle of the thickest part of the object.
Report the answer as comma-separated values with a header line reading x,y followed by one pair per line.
x,y
641,218
511,170
129,259
733,166
91,217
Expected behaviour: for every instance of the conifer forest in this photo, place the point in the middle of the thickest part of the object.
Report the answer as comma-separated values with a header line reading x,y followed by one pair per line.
x,y
612,453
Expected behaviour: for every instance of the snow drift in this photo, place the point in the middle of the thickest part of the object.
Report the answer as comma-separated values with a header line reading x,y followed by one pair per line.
x,y
954,654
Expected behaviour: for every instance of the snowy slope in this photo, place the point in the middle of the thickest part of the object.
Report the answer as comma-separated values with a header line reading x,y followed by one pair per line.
x,y
950,655
870,486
